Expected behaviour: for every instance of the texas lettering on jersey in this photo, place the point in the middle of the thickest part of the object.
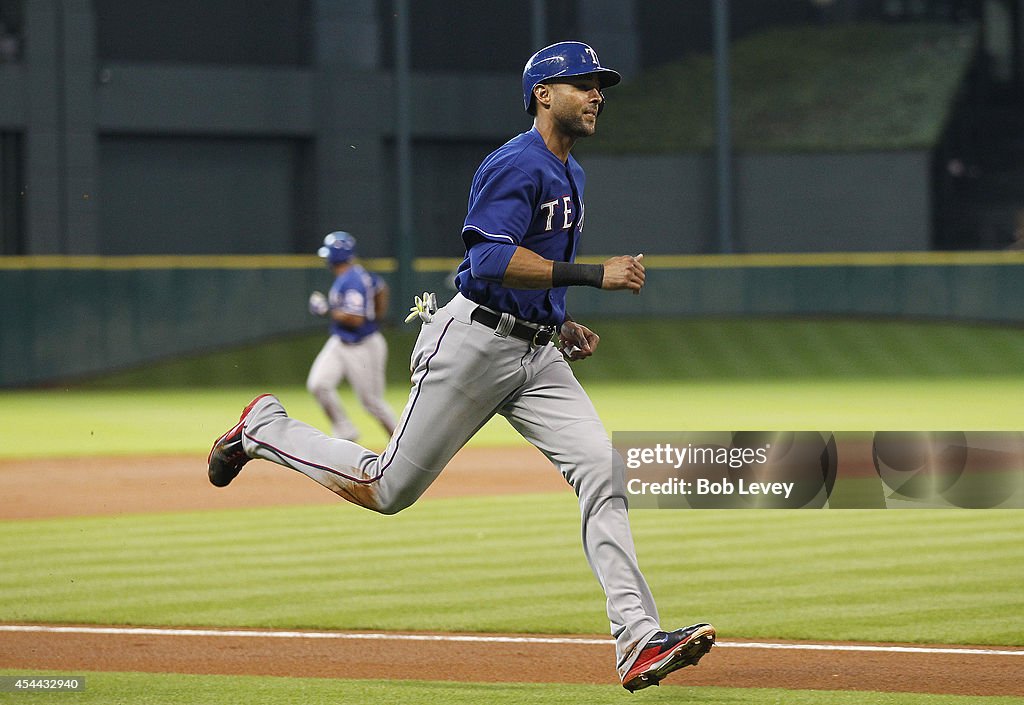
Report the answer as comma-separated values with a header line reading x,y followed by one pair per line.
x,y
566,207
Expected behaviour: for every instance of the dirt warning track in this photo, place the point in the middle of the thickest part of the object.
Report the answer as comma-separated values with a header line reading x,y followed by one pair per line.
x,y
506,658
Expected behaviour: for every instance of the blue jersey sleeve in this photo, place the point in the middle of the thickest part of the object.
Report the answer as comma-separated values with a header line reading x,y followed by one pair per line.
x,y
501,206
488,260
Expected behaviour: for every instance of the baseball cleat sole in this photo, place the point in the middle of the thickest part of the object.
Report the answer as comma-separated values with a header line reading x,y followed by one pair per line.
x,y
688,652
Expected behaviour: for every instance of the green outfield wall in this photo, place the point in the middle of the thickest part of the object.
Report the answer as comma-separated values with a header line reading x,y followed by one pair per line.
x,y
65,318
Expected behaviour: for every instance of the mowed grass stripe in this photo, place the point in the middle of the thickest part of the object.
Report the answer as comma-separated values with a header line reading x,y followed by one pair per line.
x,y
849,572
515,564
244,562
983,404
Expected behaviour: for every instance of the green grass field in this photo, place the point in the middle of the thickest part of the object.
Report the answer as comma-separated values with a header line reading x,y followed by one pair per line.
x,y
158,689
165,420
857,575
909,576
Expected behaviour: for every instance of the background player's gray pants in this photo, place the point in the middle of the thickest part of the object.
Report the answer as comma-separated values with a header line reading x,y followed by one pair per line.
x,y
362,364
462,375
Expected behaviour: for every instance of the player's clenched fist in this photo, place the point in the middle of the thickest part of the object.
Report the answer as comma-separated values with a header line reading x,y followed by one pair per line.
x,y
576,341
625,272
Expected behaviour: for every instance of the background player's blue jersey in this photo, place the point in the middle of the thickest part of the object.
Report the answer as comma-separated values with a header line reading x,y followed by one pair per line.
x,y
524,195
353,292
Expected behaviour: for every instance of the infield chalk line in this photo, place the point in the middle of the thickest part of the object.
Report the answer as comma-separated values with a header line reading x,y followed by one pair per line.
x,y
496,639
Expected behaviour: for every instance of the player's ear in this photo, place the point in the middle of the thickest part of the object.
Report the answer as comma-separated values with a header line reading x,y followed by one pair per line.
x,y
542,95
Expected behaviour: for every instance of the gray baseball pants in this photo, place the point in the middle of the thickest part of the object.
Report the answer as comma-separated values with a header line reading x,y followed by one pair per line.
x,y
463,374
362,364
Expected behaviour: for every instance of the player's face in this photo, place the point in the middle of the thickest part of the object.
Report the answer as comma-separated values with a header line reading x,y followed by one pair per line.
x,y
574,105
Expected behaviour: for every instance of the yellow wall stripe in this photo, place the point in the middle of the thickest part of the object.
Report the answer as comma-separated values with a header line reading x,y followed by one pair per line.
x,y
448,264
128,262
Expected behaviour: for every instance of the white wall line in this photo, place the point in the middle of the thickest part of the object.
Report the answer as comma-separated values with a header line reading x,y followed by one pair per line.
x,y
488,639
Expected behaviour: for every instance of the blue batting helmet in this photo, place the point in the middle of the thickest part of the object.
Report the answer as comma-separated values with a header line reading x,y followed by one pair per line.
x,y
560,61
338,247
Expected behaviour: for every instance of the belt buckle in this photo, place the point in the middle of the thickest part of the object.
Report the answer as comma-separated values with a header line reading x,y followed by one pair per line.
x,y
549,330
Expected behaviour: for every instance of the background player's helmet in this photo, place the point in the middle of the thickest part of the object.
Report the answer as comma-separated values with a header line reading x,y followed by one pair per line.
x,y
562,60
338,247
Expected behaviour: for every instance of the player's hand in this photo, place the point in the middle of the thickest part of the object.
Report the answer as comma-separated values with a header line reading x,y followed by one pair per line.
x,y
318,304
576,341
625,272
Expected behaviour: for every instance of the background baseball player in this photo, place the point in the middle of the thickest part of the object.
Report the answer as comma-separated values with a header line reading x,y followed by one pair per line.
x,y
355,350
487,352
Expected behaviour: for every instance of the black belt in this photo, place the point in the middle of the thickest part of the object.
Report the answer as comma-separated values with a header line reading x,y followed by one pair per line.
x,y
532,334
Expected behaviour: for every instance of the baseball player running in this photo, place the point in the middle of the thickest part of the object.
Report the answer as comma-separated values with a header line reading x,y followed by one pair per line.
x,y
355,350
487,352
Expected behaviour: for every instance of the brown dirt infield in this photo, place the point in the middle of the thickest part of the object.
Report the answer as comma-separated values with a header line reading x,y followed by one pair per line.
x,y
109,486
132,485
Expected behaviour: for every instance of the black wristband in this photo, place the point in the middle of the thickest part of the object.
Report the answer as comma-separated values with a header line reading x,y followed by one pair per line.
x,y
568,274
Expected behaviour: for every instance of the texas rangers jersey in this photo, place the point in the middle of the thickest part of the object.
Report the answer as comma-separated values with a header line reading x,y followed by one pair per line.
x,y
353,292
522,194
